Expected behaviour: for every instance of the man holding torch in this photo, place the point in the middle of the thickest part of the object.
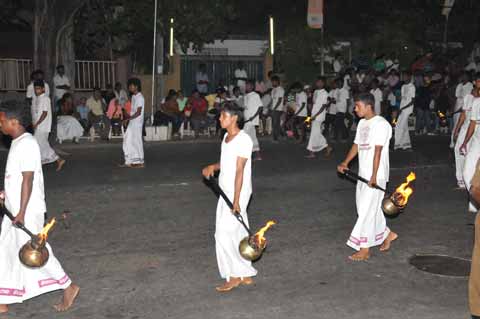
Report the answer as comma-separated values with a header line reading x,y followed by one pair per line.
x,y
24,197
235,180
371,145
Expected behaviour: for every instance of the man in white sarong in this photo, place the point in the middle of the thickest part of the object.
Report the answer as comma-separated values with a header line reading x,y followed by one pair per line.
x,y
252,107
317,142
459,133
236,181
463,89
133,139
42,124
371,145
402,134
24,197
471,144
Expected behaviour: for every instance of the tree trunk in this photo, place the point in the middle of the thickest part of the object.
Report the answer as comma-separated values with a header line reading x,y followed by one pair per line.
x,y
52,35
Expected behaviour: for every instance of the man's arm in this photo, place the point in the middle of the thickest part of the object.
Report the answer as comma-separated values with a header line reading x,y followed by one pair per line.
x,y
210,170
138,112
41,119
350,156
26,192
470,131
238,183
376,164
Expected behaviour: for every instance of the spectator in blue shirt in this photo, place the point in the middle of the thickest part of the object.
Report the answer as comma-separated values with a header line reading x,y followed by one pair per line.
x,y
82,111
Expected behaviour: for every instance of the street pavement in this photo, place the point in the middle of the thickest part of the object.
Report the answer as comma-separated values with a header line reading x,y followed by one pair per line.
x,y
141,241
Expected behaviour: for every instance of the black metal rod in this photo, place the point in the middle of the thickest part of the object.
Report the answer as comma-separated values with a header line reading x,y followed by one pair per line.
x,y
19,225
355,176
220,191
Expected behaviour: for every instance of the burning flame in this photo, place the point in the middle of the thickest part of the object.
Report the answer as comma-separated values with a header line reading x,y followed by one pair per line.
x,y
44,233
259,236
403,192
308,119
394,122
440,114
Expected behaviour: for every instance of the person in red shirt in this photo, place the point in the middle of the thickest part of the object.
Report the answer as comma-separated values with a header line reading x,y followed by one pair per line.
x,y
198,116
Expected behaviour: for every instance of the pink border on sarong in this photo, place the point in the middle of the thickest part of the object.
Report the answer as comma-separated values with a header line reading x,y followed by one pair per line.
x,y
51,281
12,292
357,241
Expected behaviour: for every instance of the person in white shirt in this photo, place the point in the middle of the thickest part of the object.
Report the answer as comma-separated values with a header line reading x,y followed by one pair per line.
x,y
341,102
463,88
459,133
321,101
201,79
120,94
371,145
42,125
241,76
470,146
378,95
252,109
133,139
235,180
24,198
278,107
329,125
402,134
61,85
37,75
301,113
337,64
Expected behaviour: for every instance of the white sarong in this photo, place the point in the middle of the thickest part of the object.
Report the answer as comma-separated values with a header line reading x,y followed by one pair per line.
x,y
456,117
371,227
460,158
317,141
46,151
228,234
17,282
68,128
402,135
251,131
133,145
471,159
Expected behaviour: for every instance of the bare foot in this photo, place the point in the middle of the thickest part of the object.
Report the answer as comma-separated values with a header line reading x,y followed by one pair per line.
x,y
361,255
247,281
311,156
229,285
60,163
137,166
388,241
69,295
3,309
328,151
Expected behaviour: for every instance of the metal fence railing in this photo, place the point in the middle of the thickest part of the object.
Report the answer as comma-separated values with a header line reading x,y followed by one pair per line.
x,y
91,74
15,74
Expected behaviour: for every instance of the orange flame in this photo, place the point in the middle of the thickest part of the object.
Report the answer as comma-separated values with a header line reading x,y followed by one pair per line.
x,y
394,122
403,192
440,114
308,119
44,233
259,236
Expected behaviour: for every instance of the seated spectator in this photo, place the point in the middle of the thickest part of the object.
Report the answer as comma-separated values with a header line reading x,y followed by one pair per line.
x,y
120,94
68,127
199,118
109,94
82,113
115,115
169,113
181,100
97,118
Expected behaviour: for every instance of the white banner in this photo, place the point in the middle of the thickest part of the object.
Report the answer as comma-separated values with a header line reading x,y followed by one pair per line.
x,y
315,14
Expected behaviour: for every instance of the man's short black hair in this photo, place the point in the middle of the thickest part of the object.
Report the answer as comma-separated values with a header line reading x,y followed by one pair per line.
x,y
339,82
322,78
251,81
477,76
136,82
60,66
365,98
39,83
233,109
17,109
275,78
36,72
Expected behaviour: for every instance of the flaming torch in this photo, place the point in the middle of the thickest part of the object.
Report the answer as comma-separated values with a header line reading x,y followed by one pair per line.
x,y
395,203
252,247
34,253
442,119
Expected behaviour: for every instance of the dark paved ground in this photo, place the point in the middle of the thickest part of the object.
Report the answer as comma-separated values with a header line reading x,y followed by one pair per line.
x,y
141,241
